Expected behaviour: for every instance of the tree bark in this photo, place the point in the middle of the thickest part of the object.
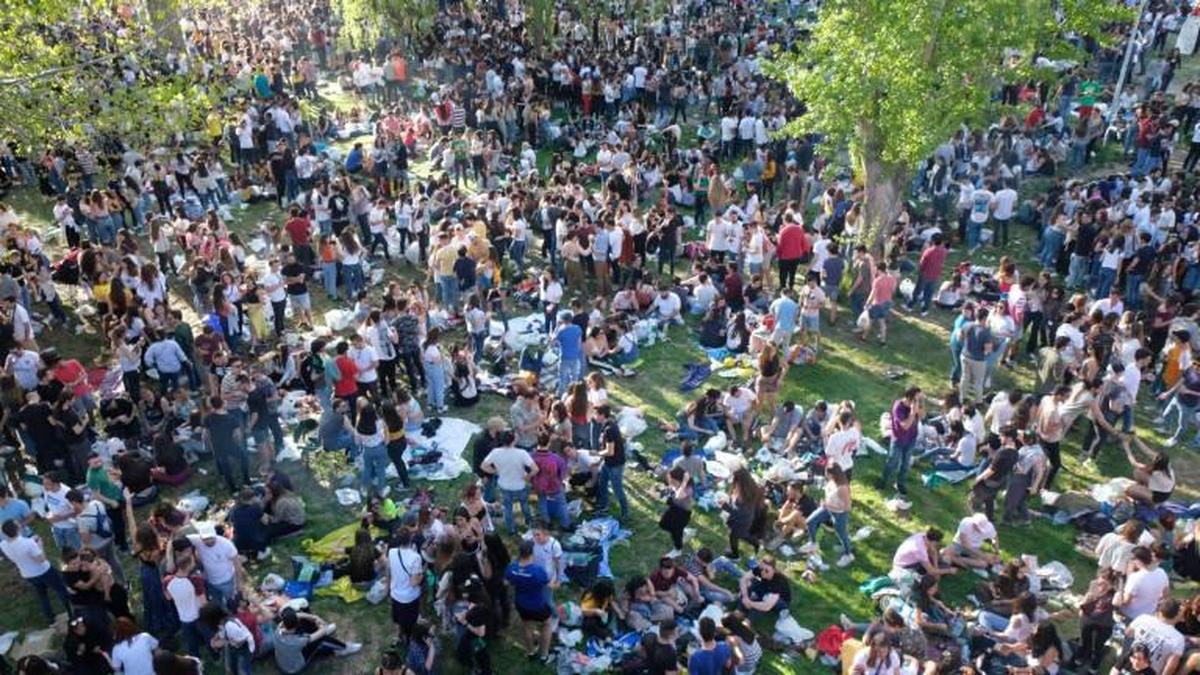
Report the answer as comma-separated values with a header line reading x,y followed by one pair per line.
x,y
884,192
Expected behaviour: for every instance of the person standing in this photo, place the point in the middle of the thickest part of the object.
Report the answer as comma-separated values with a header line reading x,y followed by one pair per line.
x,y
612,452
929,272
793,248
220,561
835,508
549,485
223,436
405,575
188,598
513,468
96,531
569,338
1002,213
529,581
31,562
679,507
977,344
906,419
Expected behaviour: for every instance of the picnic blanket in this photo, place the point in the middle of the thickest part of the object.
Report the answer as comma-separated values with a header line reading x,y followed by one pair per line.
x,y
602,531
450,439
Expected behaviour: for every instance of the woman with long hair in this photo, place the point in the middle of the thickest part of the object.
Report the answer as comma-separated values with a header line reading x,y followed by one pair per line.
x,y
435,362
770,375
679,507
370,436
746,511
397,442
835,508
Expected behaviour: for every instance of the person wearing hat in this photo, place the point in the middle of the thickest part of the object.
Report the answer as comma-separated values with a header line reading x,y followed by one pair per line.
x,y
220,561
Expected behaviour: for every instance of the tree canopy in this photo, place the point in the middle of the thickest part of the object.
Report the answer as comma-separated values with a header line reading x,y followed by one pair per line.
x,y
76,70
890,80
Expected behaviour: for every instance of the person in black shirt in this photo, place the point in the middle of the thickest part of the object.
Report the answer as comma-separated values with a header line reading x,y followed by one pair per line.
x,y
120,417
764,589
486,442
295,276
1137,269
477,621
668,239
661,656
993,479
283,171
612,450
34,419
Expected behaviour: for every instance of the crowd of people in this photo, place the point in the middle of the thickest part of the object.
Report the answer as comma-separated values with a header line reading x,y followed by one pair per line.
x,y
566,184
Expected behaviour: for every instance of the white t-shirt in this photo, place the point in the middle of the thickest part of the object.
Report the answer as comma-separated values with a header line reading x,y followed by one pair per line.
x,y
704,295
549,556
667,307
740,403
135,656
405,566
217,559
25,553
1144,589
1003,203
1162,640
1001,412
364,359
891,666
236,632
511,464
842,445
183,594
973,531
274,282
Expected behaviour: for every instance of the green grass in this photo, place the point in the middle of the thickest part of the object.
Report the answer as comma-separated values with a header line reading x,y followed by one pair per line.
x,y
847,369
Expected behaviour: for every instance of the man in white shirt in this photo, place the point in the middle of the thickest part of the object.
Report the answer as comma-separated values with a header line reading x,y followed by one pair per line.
x,y
1002,212
746,134
548,554
666,307
182,592
219,559
512,467
704,295
96,530
980,211
729,126
1157,633
29,557
739,409
1145,585
59,512
367,362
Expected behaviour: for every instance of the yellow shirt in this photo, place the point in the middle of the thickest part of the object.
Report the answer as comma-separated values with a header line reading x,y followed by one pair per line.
x,y
1173,365
443,260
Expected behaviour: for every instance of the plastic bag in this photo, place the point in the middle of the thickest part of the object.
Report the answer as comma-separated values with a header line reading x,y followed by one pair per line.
x,y
341,588
1054,574
378,592
863,321
718,441
272,583
789,631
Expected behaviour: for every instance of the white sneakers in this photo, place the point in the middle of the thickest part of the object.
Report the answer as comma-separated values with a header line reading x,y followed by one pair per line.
x,y
845,560
350,648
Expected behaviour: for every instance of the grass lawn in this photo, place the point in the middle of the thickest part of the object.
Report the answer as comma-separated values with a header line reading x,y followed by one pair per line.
x,y
847,369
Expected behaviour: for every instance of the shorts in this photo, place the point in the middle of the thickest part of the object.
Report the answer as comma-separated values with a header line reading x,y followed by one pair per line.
x,y
536,615
880,311
962,551
810,323
1159,497
261,435
405,614
781,336
301,301
832,293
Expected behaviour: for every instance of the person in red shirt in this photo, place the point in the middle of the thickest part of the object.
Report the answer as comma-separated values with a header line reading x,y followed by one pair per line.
x,y
299,229
929,272
72,375
794,247
347,385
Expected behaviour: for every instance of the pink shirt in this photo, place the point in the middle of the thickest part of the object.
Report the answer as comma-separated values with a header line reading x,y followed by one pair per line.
x,y
883,288
912,552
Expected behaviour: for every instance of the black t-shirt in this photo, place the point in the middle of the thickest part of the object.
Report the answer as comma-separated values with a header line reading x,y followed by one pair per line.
x,y
1085,239
612,434
1002,464
135,471
761,588
259,405
69,420
662,659
1143,259
36,418
221,428
113,408
295,269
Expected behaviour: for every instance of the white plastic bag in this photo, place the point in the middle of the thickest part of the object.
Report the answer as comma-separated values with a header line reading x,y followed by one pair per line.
x,y
378,592
789,631
715,443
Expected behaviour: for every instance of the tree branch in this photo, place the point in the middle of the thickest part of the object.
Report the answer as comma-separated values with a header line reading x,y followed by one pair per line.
x,y
15,81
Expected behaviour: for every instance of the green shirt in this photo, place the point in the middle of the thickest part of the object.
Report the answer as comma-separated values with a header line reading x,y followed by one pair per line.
x,y
185,339
98,481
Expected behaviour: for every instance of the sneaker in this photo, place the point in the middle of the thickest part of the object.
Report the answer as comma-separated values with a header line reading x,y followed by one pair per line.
x,y
845,622
808,548
845,560
674,553
264,554
387,490
1170,443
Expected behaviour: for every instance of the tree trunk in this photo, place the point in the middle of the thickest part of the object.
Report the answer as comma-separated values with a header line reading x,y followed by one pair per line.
x,y
884,186
164,15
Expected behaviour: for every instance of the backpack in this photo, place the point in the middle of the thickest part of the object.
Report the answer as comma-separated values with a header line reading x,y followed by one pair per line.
x,y
103,522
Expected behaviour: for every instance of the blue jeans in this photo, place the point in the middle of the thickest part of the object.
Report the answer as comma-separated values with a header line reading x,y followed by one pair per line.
x,y
1077,272
507,497
554,508
1133,291
1104,281
374,471
956,365
66,538
489,489
1186,413
448,287
354,280
42,585
570,371
841,521
223,594
237,660
329,278
1052,242
435,384
973,232
516,249
899,457
614,475
923,293
191,638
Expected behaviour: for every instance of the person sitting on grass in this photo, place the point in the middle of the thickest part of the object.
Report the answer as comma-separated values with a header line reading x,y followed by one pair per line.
x,y
920,553
966,550
764,589
674,585
303,638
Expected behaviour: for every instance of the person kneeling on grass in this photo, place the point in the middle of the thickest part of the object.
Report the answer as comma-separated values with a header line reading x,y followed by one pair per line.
x,y
304,638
